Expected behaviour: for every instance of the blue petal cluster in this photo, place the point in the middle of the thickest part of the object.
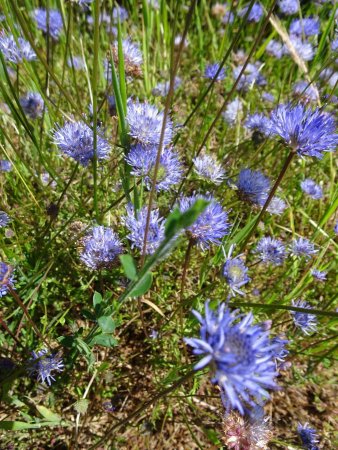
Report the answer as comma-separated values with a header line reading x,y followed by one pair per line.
x,y
255,14
280,351
302,247
306,91
275,48
16,51
54,25
308,436
232,111
101,248
276,205
143,159
207,167
307,322
162,89
211,225
250,76
271,250
77,62
235,272
211,70
44,364
145,123
32,104
289,7
5,166
240,354
136,224
309,132
312,189
307,26
319,274
4,219
76,140
302,47
258,122
6,278
253,186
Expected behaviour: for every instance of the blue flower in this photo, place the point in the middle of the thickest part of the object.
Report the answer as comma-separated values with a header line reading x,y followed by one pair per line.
x,y
289,7
76,140
232,111
275,48
162,89
309,132
132,56
207,167
320,275
32,104
239,353
307,26
312,189
211,225
250,76
335,228
5,166
258,122
16,51
307,322
303,89
308,436
334,45
268,97
228,17
280,352
302,247
271,250
303,48
255,14
44,364
235,272
143,159
136,224
145,123
211,70
277,205
101,248
119,13
4,219
55,23
253,186
77,62
6,278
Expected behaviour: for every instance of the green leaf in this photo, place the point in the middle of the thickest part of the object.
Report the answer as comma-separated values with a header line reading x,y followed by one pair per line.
x,y
129,266
17,426
142,286
48,414
106,324
177,220
97,299
105,340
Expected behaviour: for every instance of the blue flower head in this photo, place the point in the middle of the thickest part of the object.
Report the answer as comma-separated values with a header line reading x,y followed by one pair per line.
x,y
32,104
211,70
250,76
5,166
309,132
252,186
208,168
289,7
4,219
235,272
16,51
101,248
319,274
76,139
275,48
302,247
232,111
302,47
77,62
258,122
312,189
211,225
307,26
54,25
145,124
280,352
136,224
6,278
307,322
305,91
44,364
132,56
271,250
143,160
276,206
255,14
239,353
162,89
308,436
